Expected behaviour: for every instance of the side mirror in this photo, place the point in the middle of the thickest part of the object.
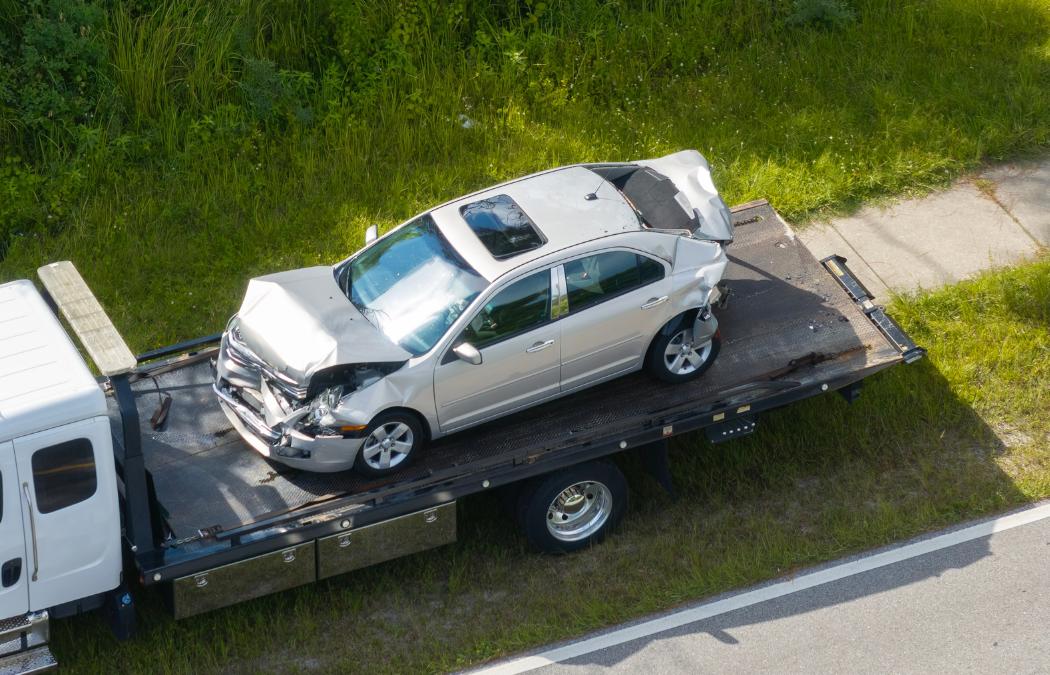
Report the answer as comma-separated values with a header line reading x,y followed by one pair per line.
x,y
468,353
371,234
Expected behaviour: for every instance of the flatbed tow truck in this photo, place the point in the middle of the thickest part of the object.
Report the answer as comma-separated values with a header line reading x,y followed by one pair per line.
x,y
137,476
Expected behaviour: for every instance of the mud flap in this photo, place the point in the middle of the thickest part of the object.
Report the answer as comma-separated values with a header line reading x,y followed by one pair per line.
x,y
119,610
654,460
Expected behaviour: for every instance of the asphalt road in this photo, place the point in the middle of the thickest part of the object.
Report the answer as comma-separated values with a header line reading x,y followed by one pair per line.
x,y
980,606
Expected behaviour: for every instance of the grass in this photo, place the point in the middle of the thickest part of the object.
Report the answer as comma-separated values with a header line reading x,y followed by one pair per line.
x,y
958,435
202,166
180,187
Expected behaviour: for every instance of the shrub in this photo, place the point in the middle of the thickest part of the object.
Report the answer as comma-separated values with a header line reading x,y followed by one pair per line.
x,y
50,76
825,13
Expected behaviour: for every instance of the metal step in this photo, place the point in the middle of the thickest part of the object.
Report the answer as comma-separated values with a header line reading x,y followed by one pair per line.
x,y
37,660
24,632
11,633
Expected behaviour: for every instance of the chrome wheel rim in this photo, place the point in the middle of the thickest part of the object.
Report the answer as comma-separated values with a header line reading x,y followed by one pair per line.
x,y
388,445
579,511
682,356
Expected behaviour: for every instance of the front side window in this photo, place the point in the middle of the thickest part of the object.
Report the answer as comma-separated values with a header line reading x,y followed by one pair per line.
x,y
524,304
64,475
411,285
502,226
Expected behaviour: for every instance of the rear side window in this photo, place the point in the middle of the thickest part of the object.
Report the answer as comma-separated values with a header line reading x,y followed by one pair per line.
x,y
599,277
502,226
1,497
64,475
522,305
649,269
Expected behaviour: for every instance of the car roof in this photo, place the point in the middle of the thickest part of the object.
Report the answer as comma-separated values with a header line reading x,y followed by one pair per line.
x,y
554,201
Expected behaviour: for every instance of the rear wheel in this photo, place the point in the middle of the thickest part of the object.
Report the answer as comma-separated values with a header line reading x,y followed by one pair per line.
x,y
676,358
392,442
574,508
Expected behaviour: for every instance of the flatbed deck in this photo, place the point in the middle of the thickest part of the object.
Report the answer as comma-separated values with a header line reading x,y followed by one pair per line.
x,y
790,330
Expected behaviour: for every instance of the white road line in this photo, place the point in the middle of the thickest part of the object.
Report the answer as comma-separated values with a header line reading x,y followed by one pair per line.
x,y
777,590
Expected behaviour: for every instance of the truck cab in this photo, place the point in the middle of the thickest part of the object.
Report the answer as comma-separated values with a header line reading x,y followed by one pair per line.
x,y
60,549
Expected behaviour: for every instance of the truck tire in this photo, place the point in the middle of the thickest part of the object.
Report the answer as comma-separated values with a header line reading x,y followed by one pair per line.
x,y
392,438
673,358
574,508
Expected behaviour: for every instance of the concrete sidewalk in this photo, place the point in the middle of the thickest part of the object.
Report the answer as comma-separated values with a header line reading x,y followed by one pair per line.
x,y
996,219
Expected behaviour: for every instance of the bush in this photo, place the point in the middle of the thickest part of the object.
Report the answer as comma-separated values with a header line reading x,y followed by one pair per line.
x,y
50,76
825,13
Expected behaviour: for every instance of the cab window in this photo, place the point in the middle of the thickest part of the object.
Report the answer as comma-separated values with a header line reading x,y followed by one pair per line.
x,y
522,305
64,475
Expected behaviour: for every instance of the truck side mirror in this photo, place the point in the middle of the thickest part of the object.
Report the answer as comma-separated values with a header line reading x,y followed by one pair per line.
x,y
468,353
371,234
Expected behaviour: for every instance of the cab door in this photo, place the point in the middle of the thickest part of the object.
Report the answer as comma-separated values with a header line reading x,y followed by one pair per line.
x,y
14,589
70,515
520,350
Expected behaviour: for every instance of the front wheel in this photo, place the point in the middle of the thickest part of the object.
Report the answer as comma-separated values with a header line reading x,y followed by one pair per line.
x,y
573,508
392,442
676,358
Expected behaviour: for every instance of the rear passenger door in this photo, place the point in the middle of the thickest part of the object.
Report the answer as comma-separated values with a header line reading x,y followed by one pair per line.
x,y
14,590
70,515
617,300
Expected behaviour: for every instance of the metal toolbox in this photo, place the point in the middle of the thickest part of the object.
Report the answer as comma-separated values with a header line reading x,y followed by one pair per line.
x,y
242,581
377,543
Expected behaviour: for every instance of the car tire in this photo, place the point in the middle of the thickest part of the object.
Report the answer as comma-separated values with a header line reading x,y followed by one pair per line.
x,y
596,493
661,360
405,436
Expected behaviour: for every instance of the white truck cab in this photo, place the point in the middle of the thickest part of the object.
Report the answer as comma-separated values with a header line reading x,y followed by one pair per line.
x,y
59,513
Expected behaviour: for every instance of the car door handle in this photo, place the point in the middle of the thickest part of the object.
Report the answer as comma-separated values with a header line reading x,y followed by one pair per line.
x,y
32,528
653,302
539,346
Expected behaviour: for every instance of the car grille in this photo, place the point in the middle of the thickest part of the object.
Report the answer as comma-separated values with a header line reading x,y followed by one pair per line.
x,y
242,354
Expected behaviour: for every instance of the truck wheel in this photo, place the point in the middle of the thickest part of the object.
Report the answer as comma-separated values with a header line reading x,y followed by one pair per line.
x,y
573,508
674,358
392,442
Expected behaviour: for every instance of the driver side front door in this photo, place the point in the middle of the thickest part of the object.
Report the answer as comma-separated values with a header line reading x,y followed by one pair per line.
x,y
520,348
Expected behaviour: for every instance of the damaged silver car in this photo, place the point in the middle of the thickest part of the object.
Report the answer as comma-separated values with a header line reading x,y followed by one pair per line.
x,y
480,307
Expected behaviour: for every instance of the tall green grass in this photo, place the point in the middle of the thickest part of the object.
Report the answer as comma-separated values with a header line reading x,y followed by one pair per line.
x,y
238,137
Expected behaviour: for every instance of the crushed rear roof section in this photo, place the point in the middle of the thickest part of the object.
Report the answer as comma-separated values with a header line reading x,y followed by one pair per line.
x,y
661,205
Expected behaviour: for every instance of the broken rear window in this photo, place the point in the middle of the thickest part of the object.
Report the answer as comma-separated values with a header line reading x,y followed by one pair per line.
x,y
502,226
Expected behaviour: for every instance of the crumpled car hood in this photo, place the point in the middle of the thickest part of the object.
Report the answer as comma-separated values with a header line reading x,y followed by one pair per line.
x,y
300,322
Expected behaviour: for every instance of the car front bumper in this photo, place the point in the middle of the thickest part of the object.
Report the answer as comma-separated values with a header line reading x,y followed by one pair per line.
x,y
323,454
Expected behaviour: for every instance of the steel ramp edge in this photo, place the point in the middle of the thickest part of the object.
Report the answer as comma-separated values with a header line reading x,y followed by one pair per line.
x,y
38,660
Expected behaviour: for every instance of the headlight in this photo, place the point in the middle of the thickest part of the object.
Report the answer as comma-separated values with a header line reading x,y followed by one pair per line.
x,y
325,402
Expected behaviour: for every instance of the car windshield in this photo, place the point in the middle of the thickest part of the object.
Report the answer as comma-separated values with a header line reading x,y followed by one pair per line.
x,y
412,285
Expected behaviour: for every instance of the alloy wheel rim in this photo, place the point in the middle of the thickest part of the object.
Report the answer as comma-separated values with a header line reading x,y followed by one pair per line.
x,y
579,511
682,357
388,445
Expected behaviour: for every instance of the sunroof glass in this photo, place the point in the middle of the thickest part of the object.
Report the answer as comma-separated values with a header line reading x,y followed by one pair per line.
x,y
502,226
